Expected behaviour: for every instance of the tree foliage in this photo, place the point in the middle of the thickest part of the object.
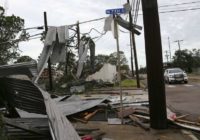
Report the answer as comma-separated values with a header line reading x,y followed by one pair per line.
x,y
113,58
101,59
10,26
187,59
24,58
196,58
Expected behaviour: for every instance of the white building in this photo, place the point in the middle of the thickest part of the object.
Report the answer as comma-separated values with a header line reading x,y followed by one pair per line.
x,y
107,73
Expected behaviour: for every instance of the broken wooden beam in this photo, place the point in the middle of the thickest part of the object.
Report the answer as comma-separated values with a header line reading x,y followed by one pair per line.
x,y
90,115
137,121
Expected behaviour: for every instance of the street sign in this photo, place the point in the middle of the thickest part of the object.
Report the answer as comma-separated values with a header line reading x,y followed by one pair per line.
x,y
116,11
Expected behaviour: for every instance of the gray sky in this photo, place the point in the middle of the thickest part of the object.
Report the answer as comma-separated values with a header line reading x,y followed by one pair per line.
x,y
178,25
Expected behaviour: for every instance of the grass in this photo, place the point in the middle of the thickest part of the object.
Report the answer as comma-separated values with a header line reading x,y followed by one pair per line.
x,y
129,83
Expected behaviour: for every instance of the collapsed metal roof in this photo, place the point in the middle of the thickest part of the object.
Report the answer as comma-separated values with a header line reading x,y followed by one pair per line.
x,y
22,94
70,107
27,68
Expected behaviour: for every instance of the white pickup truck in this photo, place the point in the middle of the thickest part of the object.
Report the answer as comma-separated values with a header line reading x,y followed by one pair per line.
x,y
173,75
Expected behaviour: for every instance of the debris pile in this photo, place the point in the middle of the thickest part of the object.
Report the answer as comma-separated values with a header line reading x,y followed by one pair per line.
x,y
29,112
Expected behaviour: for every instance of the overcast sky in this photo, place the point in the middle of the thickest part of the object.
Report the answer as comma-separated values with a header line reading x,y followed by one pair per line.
x,y
178,25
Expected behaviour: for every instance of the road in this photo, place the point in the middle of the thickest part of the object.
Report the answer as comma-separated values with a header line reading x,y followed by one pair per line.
x,y
184,98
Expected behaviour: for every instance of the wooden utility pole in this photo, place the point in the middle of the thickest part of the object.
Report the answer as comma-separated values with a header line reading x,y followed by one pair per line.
x,y
134,49
179,46
131,49
153,47
167,56
118,66
49,60
170,54
78,34
131,45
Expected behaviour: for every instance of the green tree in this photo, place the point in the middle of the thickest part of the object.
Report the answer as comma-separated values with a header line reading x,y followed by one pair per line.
x,y
113,58
183,59
100,60
196,58
10,27
24,58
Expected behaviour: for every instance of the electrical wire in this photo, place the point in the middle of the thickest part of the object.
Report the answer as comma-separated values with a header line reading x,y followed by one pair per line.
x,y
99,38
15,40
34,38
133,4
177,8
35,35
185,3
135,15
180,10
88,21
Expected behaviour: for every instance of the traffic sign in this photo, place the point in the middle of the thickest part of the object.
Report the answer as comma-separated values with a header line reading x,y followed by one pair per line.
x,y
116,11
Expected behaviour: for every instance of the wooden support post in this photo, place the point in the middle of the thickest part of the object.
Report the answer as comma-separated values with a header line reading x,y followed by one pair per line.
x,y
134,50
156,87
118,67
49,60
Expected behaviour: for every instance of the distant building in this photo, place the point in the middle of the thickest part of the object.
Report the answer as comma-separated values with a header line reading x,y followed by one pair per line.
x,y
107,73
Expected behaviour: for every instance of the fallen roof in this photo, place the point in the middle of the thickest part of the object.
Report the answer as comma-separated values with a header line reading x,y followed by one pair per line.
x,y
22,94
27,68
27,128
27,96
70,107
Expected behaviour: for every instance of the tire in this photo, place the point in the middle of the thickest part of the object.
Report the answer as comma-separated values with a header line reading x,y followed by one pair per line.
x,y
185,82
168,81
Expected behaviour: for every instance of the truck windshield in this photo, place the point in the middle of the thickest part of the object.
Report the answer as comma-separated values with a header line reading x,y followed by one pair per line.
x,y
175,71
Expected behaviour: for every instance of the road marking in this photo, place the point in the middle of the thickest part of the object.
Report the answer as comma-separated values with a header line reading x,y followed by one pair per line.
x,y
188,85
171,86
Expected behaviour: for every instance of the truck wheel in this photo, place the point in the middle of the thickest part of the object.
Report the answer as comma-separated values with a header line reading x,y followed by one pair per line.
x,y
168,81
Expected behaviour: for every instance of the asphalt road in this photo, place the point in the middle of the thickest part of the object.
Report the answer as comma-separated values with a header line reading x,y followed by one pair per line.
x,y
184,98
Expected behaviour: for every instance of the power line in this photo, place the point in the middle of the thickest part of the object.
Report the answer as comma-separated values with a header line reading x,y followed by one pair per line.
x,y
92,20
136,12
178,4
133,3
185,3
15,40
180,10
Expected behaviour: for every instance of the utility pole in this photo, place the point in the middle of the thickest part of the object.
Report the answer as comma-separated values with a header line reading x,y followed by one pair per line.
x,y
131,49
118,66
153,47
134,49
166,55
78,35
179,46
170,55
49,60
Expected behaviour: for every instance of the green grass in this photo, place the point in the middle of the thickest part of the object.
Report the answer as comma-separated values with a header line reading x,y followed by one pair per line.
x,y
129,83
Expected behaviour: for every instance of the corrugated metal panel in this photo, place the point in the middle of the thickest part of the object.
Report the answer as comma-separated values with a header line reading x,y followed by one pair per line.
x,y
40,124
28,68
24,95
76,106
